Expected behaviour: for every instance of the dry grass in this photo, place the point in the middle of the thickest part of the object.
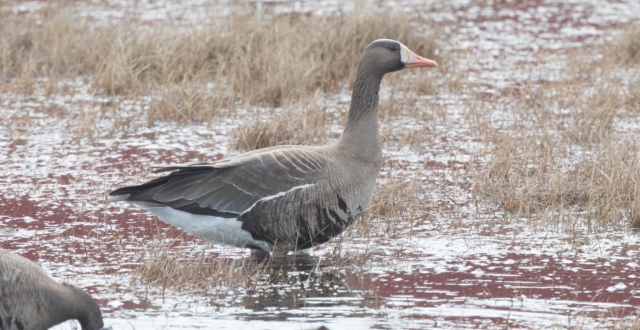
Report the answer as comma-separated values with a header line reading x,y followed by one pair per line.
x,y
535,177
630,324
295,125
395,197
169,269
593,118
246,57
563,160
188,102
627,48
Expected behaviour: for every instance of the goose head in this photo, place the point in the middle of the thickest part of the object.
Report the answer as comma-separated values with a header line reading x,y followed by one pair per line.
x,y
82,307
386,55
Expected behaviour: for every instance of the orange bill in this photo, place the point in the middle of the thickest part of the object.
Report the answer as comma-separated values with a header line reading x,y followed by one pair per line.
x,y
416,61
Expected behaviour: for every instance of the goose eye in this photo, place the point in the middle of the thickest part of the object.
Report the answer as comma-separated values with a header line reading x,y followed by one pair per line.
x,y
393,48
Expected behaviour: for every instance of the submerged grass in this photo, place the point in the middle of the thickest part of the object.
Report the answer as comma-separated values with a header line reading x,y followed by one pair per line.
x,y
168,269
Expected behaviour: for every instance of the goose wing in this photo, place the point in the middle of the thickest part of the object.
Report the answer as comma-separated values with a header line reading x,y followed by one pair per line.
x,y
231,186
222,163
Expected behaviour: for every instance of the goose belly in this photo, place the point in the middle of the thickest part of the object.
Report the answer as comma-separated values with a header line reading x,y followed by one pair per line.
x,y
227,231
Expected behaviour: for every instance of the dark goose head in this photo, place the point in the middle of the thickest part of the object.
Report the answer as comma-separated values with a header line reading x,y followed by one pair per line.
x,y
379,58
384,55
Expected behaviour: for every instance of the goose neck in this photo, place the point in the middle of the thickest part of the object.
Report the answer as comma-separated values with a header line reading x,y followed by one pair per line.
x,y
77,304
360,137
364,98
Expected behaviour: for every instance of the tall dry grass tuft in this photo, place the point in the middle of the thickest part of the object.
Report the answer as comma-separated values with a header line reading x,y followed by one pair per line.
x,y
293,126
392,198
395,206
627,48
613,176
535,177
593,117
189,102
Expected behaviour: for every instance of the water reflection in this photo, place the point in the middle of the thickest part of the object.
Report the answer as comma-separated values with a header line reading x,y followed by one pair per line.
x,y
309,286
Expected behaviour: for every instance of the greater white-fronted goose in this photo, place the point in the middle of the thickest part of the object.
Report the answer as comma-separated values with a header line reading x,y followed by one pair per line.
x,y
283,198
31,300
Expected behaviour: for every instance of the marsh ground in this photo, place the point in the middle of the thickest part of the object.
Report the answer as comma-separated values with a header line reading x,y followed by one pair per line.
x,y
509,191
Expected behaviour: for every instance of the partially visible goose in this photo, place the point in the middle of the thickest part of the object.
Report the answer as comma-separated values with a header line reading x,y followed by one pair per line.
x,y
283,198
31,300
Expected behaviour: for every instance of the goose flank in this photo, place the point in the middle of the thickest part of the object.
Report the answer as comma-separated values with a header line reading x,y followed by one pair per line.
x,y
283,198
31,300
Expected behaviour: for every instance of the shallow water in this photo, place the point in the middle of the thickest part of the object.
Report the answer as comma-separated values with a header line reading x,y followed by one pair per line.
x,y
448,269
